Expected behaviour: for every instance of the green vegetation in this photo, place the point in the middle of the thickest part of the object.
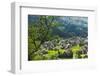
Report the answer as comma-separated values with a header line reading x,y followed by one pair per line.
x,y
46,40
75,49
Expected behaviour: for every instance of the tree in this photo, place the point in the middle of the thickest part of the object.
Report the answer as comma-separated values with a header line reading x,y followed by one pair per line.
x,y
39,32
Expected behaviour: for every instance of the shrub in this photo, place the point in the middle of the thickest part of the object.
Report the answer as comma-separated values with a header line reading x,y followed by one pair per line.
x,y
75,49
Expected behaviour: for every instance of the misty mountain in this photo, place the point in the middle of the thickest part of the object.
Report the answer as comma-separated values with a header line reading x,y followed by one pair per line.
x,y
70,25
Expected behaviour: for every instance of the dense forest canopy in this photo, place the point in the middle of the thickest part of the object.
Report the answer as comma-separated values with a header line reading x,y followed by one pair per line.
x,y
56,37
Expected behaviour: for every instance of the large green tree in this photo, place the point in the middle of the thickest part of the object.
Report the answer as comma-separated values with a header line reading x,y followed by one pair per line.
x,y
39,32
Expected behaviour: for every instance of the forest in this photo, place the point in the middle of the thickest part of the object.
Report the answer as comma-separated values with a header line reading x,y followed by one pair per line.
x,y
57,37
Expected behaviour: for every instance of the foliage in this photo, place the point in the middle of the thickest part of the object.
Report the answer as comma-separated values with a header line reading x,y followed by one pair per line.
x,y
40,32
61,51
75,49
47,29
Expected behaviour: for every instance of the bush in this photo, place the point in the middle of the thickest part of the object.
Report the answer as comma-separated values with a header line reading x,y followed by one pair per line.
x,y
53,54
75,49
